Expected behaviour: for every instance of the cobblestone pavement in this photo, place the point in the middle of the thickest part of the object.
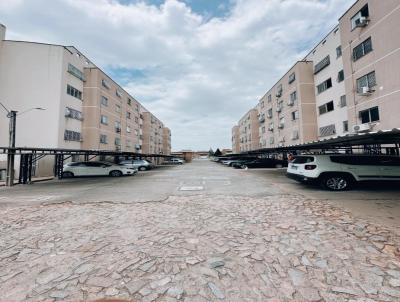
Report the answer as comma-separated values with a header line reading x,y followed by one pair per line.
x,y
197,248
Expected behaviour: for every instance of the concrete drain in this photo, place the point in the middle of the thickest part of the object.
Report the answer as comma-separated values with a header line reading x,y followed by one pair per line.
x,y
191,188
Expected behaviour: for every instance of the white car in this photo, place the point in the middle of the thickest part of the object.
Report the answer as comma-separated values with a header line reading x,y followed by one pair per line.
x,y
339,172
95,168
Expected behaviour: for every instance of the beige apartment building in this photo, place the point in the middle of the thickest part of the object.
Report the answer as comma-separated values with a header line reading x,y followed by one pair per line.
x,y
152,134
248,131
330,95
235,139
370,38
85,108
112,116
288,111
166,141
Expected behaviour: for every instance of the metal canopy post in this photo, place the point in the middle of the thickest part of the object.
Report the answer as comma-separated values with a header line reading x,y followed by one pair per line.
x,y
11,153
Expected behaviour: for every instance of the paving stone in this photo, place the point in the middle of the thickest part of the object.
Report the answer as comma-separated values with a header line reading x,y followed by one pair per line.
x,y
216,291
175,292
298,277
100,281
394,282
309,294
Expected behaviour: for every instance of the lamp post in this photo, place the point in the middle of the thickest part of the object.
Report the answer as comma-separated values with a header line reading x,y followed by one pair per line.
x,y
12,115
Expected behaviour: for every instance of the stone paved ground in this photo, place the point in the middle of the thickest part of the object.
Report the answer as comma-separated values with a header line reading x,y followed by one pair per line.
x,y
197,248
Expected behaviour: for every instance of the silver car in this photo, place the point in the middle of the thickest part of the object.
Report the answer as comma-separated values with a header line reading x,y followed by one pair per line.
x,y
140,164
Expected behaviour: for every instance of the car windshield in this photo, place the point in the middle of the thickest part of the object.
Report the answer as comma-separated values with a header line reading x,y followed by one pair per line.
x,y
303,159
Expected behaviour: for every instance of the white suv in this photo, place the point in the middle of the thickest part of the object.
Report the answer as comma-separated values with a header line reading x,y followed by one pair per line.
x,y
339,172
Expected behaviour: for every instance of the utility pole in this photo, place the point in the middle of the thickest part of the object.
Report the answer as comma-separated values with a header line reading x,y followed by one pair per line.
x,y
12,115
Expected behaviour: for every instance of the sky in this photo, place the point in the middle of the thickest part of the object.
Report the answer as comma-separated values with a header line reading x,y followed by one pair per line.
x,y
198,65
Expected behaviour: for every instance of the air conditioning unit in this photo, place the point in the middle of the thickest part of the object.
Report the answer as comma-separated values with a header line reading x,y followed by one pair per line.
x,y
271,128
281,125
278,94
361,128
279,109
365,91
361,22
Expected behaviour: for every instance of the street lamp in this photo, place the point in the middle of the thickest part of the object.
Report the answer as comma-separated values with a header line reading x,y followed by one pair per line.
x,y
12,115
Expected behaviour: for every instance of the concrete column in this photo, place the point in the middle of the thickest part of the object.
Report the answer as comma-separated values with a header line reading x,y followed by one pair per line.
x,y
2,32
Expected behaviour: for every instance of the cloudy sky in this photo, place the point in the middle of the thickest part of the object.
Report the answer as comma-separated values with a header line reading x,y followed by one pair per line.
x,y
198,65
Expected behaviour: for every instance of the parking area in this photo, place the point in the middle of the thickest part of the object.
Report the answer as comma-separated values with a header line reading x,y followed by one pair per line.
x,y
199,232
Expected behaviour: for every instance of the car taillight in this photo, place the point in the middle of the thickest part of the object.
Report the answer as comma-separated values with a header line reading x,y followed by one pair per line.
x,y
310,167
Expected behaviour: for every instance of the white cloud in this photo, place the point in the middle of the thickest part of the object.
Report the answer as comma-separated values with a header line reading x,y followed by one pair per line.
x,y
202,74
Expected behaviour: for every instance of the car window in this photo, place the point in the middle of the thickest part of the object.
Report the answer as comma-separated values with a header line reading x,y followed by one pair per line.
x,y
74,164
124,162
93,164
364,160
303,159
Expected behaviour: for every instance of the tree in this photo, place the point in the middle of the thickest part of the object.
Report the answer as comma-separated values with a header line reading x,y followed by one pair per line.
x,y
218,152
211,152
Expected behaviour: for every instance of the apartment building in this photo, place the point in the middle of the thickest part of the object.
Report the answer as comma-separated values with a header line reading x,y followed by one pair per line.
x,y
166,141
152,134
235,139
330,95
248,131
84,108
370,32
287,111
112,116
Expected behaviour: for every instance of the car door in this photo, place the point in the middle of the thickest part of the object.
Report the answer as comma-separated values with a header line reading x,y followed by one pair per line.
x,y
361,166
94,168
390,167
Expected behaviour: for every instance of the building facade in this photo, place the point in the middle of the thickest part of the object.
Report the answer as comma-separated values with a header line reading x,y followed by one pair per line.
x,y
248,131
166,141
84,108
330,95
370,38
235,140
287,110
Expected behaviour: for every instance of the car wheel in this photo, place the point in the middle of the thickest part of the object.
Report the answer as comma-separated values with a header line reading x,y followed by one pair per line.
x,y
67,174
115,173
142,169
244,167
336,182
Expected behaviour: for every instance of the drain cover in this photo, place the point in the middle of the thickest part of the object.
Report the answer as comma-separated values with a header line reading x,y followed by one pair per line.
x,y
191,188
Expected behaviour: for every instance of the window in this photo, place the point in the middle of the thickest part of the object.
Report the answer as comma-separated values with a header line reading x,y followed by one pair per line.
x,y
327,130
340,76
269,113
303,159
271,126
355,20
293,98
118,93
117,141
104,120
72,113
292,78
263,129
117,127
76,72
369,80
128,129
295,115
295,134
324,85
118,108
326,108
271,140
104,101
128,115
105,84
136,119
72,136
262,104
269,98
338,51
345,126
321,65
103,139
74,92
343,102
128,144
129,102
281,122
370,115
362,49
279,90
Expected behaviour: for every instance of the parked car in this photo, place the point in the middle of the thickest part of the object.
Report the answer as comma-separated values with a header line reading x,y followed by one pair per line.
x,y
264,163
95,168
241,161
174,161
338,172
140,164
